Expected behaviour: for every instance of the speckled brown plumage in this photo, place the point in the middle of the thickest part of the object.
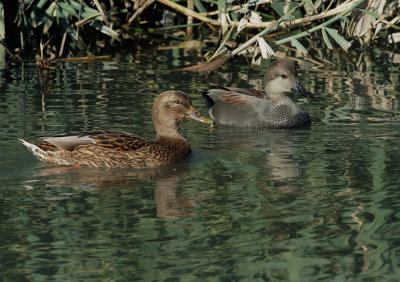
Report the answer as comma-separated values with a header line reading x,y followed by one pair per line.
x,y
120,149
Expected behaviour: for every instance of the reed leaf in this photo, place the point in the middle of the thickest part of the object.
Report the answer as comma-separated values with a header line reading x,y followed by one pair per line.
x,y
49,20
309,5
104,29
376,16
338,38
41,3
370,13
298,46
266,50
199,6
69,9
326,38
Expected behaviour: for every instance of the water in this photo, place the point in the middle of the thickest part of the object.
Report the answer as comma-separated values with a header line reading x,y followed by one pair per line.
x,y
299,205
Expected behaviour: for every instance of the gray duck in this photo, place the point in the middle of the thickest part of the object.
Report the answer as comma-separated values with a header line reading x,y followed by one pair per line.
x,y
257,109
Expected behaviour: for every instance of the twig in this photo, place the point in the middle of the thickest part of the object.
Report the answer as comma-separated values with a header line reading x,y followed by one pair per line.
x,y
3,44
233,8
189,29
283,24
188,12
88,19
62,44
216,12
223,43
100,9
140,10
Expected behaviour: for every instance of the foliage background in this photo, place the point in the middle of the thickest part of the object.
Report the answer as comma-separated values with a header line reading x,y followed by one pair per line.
x,y
67,28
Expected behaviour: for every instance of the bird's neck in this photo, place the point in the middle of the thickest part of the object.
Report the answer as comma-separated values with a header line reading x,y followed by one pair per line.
x,y
170,135
280,99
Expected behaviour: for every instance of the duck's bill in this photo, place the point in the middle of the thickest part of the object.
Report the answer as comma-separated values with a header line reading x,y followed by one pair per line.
x,y
299,89
194,114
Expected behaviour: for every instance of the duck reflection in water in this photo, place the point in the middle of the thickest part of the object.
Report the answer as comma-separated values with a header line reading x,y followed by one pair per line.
x,y
277,147
170,200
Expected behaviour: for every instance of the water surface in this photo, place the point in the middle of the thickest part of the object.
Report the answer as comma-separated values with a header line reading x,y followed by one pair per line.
x,y
300,205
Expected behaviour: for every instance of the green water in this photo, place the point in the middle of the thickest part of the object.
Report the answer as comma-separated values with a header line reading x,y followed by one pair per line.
x,y
298,205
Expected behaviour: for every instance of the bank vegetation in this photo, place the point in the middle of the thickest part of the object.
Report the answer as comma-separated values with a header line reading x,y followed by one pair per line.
x,y
222,29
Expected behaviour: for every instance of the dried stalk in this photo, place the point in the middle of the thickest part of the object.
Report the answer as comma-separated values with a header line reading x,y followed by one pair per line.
x,y
100,9
87,20
188,12
282,24
328,22
189,29
140,10
231,9
62,44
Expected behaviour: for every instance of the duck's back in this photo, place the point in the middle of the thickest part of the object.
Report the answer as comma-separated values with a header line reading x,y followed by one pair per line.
x,y
237,109
109,149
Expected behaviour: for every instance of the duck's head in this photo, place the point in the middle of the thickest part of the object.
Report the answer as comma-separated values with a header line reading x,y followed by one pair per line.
x,y
281,77
173,106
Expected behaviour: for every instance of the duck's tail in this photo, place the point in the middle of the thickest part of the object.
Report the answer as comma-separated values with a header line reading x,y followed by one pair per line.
x,y
207,99
36,150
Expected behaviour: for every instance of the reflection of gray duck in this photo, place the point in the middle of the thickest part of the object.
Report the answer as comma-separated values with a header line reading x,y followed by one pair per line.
x,y
252,108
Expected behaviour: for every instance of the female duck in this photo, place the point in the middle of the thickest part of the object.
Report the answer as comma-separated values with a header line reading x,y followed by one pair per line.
x,y
119,149
252,108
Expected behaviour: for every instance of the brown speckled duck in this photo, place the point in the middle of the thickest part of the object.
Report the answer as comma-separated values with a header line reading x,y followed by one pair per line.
x,y
119,149
256,109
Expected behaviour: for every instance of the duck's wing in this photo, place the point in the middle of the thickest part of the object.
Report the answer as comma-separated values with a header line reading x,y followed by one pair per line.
x,y
221,96
108,139
233,108
249,92
120,141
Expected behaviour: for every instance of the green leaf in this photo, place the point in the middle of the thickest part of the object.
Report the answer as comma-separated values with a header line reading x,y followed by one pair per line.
x,y
64,24
199,6
42,3
372,14
50,10
67,9
88,12
104,29
49,21
326,38
298,45
309,5
221,6
338,38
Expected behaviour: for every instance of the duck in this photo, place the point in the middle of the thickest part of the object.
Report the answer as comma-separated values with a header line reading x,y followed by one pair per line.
x,y
111,148
271,108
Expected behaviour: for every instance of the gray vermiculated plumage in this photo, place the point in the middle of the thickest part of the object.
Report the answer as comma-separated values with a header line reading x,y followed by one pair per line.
x,y
252,108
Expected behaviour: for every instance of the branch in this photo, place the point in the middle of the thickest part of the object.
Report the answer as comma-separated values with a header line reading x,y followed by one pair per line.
x,y
187,11
140,10
305,33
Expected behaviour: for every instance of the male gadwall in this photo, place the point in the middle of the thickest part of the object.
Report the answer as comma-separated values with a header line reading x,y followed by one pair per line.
x,y
256,109
119,149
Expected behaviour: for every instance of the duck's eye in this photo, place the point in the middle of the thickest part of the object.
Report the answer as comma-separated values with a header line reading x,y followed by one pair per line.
x,y
284,76
177,102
